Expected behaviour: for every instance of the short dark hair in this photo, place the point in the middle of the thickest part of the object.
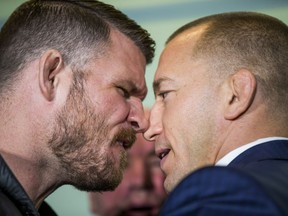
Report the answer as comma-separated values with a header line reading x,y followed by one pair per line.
x,y
78,29
250,40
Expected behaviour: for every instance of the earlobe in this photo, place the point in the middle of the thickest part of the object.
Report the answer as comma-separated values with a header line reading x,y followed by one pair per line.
x,y
51,63
242,89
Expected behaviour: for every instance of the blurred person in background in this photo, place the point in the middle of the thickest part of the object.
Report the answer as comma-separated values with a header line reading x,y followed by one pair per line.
x,y
141,192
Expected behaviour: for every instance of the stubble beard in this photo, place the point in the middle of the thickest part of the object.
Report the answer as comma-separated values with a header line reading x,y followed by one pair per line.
x,y
81,143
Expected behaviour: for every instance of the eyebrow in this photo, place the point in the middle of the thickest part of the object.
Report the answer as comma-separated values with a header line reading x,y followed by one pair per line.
x,y
133,89
157,83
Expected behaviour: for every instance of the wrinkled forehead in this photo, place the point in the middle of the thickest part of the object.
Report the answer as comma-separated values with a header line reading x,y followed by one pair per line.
x,y
130,60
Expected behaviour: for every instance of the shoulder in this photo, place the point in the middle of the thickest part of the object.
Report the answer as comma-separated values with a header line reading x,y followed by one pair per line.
x,y
219,191
7,207
46,210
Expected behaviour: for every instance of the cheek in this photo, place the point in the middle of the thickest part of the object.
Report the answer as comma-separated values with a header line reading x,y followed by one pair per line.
x,y
174,111
169,118
115,108
174,122
113,197
123,188
108,199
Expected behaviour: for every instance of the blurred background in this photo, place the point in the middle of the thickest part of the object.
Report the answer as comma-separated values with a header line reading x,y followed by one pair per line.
x,y
161,18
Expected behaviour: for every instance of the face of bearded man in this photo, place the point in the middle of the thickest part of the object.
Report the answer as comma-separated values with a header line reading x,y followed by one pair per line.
x,y
82,143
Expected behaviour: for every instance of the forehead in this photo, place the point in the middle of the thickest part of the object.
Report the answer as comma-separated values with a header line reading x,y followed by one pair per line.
x,y
128,57
177,56
181,47
122,62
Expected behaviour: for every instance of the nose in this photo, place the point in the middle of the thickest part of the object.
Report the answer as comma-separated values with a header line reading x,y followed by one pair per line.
x,y
137,117
155,127
141,175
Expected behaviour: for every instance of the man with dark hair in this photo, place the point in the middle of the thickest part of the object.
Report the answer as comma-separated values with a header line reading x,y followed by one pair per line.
x,y
71,86
221,99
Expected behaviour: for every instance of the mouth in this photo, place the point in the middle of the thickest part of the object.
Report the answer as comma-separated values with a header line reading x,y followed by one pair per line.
x,y
162,153
141,210
125,144
125,138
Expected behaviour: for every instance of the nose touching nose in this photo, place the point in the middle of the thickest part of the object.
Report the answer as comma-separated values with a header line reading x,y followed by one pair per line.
x,y
137,116
155,127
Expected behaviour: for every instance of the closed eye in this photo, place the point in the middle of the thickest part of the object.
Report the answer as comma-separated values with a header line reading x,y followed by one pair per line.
x,y
123,91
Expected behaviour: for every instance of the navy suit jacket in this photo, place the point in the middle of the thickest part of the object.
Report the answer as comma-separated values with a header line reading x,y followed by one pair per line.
x,y
254,184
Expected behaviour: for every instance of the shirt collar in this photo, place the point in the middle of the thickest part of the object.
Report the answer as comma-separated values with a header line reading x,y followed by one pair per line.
x,y
224,161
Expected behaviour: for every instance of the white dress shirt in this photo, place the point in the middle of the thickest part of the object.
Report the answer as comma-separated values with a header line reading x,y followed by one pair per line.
x,y
224,161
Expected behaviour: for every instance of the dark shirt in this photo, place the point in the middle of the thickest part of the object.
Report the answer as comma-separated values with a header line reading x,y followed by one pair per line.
x,y
14,201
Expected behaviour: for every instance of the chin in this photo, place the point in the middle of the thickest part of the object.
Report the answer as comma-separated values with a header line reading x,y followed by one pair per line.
x,y
98,183
169,186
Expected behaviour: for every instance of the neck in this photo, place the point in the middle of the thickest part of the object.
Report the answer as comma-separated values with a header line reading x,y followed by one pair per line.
x,y
34,176
237,135
24,133
25,152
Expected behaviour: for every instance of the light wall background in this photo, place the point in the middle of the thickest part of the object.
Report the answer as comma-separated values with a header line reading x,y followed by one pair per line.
x,y
161,18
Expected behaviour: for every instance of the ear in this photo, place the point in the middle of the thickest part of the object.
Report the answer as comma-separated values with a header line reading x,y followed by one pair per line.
x,y
242,89
51,64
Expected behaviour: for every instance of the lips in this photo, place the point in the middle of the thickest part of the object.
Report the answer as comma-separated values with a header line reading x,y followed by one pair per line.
x,y
162,153
125,144
143,210
125,138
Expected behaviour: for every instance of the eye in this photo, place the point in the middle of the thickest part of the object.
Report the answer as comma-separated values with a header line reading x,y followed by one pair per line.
x,y
163,95
124,92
